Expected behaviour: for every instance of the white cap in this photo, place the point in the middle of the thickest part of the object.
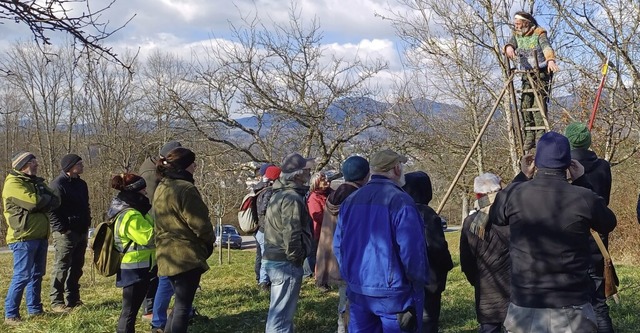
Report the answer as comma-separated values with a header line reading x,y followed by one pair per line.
x,y
486,183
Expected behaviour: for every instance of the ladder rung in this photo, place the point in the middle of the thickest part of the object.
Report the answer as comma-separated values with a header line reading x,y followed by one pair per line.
x,y
534,128
525,91
531,110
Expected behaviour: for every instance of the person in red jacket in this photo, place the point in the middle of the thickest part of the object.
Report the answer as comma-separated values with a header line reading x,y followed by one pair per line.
x,y
319,190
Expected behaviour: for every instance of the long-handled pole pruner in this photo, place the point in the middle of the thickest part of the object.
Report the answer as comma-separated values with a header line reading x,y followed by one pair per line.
x,y
610,276
592,117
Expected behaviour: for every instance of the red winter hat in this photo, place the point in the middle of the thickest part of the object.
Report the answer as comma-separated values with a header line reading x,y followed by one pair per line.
x,y
272,172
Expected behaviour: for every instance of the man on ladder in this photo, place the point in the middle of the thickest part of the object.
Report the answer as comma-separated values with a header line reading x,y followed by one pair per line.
x,y
530,44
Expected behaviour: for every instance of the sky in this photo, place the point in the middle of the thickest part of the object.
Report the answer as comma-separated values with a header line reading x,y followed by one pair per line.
x,y
349,28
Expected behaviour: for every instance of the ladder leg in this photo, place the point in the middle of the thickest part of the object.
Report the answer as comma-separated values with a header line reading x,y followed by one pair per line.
x,y
527,102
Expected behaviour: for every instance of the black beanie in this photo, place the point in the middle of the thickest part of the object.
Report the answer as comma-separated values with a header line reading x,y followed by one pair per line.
x,y
181,158
68,161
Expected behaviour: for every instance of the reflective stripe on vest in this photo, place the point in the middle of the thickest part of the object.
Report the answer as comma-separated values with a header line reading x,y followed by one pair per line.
x,y
116,233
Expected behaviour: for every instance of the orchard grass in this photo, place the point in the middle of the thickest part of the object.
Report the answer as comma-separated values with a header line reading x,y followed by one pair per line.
x,y
231,302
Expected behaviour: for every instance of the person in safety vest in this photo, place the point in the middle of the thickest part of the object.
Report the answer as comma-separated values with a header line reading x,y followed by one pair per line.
x,y
134,236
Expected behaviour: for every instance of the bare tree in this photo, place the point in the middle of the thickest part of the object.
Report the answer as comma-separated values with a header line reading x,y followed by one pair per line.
x,y
592,33
289,92
44,17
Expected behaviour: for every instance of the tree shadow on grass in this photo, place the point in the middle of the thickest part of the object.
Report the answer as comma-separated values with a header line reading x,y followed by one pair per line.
x,y
245,310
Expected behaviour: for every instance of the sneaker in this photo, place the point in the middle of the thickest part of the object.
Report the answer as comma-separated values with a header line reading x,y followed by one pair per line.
x,y
13,321
60,308
147,317
157,330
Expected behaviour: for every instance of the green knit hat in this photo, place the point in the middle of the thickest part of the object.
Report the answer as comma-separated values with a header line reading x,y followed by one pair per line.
x,y
578,135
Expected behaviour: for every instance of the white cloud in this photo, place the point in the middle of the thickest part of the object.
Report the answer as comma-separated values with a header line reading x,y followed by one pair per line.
x,y
181,27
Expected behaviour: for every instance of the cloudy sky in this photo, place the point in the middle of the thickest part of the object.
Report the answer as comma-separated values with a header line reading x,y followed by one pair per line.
x,y
349,27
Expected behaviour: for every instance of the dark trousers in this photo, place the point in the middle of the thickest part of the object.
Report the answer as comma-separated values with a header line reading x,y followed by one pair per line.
x,y
149,298
70,249
258,263
490,328
528,100
185,286
600,307
132,297
431,314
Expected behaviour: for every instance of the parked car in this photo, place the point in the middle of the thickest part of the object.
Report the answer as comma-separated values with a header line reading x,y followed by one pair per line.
x,y
229,236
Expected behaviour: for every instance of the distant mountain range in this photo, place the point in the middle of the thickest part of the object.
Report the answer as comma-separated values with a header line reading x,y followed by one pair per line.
x,y
362,105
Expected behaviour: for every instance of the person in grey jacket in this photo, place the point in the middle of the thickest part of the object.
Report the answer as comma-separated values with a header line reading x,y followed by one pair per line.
x,y
287,241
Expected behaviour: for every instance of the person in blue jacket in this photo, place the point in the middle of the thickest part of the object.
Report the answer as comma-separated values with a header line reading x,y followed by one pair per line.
x,y
381,256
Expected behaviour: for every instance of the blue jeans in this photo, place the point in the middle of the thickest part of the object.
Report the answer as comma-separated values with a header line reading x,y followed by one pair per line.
x,y
286,280
342,308
29,266
263,277
161,302
309,264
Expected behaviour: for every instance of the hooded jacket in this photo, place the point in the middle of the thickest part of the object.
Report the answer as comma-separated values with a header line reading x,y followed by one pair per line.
x,y
327,270
379,244
74,212
549,221
264,190
184,233
287,232
135,229
315,203
598,172
27,203
148,172
418,186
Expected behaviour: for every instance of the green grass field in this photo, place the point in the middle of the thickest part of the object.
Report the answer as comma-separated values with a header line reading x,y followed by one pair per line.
x,y
231,302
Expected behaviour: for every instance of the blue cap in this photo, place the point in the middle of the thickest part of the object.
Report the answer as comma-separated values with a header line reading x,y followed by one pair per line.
x,y
355,168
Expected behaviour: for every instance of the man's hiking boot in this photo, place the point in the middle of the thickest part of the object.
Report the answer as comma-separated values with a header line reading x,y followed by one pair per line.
x,y
13,321
75,304
157,330
60,308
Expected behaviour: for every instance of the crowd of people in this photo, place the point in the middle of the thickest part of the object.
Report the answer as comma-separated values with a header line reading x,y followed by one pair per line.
x,y
161,226
526,249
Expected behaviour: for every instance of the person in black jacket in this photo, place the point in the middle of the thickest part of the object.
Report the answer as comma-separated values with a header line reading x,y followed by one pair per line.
x,y
598,172
549,220
418,186
264,189
70,224
484,257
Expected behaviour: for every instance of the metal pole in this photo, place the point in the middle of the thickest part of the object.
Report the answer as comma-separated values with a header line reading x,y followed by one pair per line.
x,y
220,236
228,248
475,144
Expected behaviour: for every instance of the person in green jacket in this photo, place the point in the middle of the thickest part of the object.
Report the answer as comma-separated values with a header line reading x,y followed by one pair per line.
x,y
27,202
133,236
184,233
